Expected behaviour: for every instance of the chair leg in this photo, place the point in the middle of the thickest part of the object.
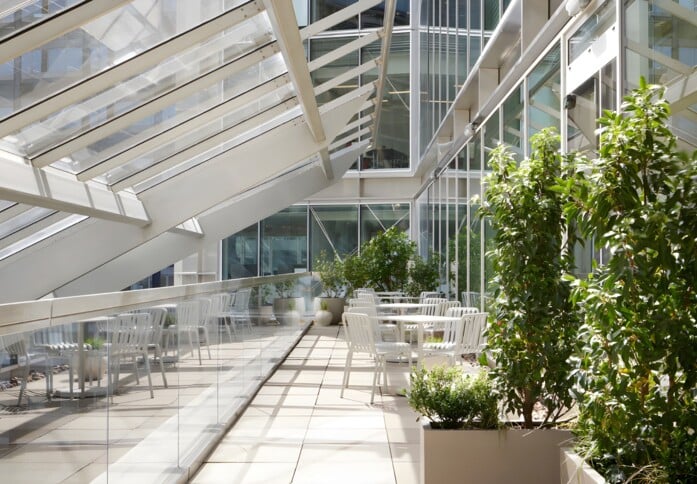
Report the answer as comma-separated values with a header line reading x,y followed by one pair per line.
x,y
158,354
206,340
23,386
147,369
375,377
347,372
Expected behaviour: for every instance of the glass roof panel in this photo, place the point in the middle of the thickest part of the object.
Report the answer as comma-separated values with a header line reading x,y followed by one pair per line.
x,y
23,220
197,135
40,235
104,42
176,71
19,14
5,204
254,132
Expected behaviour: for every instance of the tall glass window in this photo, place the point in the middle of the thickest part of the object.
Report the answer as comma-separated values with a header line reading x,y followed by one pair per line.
x,y
333,229
544,108
284,241
239,255
376,218
513,121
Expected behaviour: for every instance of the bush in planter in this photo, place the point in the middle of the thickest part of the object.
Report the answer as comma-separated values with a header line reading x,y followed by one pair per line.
x,y
637,376
452,400
532,327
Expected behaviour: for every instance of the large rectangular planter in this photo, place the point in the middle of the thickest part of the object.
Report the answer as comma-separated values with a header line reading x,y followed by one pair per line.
x,y
491,456
575,471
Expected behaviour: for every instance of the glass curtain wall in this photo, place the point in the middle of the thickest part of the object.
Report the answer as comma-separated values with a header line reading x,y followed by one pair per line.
x,y
451,39
284,239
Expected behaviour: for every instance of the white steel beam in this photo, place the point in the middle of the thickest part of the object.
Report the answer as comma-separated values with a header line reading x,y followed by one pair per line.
x,y
345,49
30,229
217,112
337,17
127,69
682,92
44,31
348,139
388,20
13,211
358,123
25,184
203,146
218,223
346,76
189,227
282,17
154,106
92,244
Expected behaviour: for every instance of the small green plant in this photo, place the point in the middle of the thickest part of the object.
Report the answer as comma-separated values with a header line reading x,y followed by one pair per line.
x,y
169,320
285,289
452,400
323,305
95,343
331,274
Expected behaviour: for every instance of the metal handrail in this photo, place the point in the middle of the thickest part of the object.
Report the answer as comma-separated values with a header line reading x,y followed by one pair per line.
x,y
32,315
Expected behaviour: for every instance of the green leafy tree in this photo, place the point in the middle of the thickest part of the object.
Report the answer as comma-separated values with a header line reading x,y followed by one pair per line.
x,y
423,275
331,274
387,257
637,376
532,326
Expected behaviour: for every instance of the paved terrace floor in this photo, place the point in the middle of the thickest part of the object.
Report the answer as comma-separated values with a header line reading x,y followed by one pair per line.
x,y
299,430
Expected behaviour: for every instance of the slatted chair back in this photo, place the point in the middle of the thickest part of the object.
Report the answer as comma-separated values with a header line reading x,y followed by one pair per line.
x,y
361,332
443,307
474,340
432,307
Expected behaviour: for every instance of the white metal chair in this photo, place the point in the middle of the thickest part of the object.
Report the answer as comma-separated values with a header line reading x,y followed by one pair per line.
x,y
474,339
219,314
157,323
239,311
189,317
453,342
129,336
441,310
16,344
360,337
430,308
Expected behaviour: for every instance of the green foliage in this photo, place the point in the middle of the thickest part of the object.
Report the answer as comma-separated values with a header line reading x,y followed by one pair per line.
x,y
637,376
170,320
453,400
95,343
285,289
331,274
382,263
532,328
423,275
323,305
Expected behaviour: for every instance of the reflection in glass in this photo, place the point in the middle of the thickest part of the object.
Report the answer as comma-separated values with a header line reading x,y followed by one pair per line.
x,y
377,218
333,229
513,121
323,8
117,100
592,28
239,255
491,135
284,241
544,108
318,48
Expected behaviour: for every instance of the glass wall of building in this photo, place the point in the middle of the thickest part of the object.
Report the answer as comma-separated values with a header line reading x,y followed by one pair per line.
x,y
292,239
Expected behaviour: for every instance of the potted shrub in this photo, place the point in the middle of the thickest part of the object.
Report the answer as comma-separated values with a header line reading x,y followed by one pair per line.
x,y
532,325
423,275
286,307
323,316
331,275
463,436
637,373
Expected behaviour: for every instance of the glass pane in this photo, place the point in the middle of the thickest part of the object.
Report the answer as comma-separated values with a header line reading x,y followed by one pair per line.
x,y
40,235
23,220
513,121
17,14
491,14
334,230
591,30
323,8
491,135
117,100
376,218
544,109
99,45
393,133
333,69
475,155
284,242
582,112
240,254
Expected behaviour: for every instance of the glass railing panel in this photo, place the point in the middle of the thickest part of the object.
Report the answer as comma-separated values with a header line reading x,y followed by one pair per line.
x,y
120,420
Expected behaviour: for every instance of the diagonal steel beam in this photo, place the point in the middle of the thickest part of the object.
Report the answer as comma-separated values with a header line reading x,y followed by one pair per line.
x,y
25,184
282,17
388,20
127,69
44,31
178,93
346,76
345,49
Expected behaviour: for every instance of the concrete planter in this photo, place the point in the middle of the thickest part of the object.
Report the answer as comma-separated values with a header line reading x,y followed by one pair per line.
x,y
335,305
288,310
575,471
491,456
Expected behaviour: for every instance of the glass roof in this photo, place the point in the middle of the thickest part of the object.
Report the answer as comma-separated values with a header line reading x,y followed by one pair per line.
x,y
172,107
102,43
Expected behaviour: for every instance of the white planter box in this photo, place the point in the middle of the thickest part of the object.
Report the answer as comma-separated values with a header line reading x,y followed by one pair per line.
x,y
575,471
491,456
